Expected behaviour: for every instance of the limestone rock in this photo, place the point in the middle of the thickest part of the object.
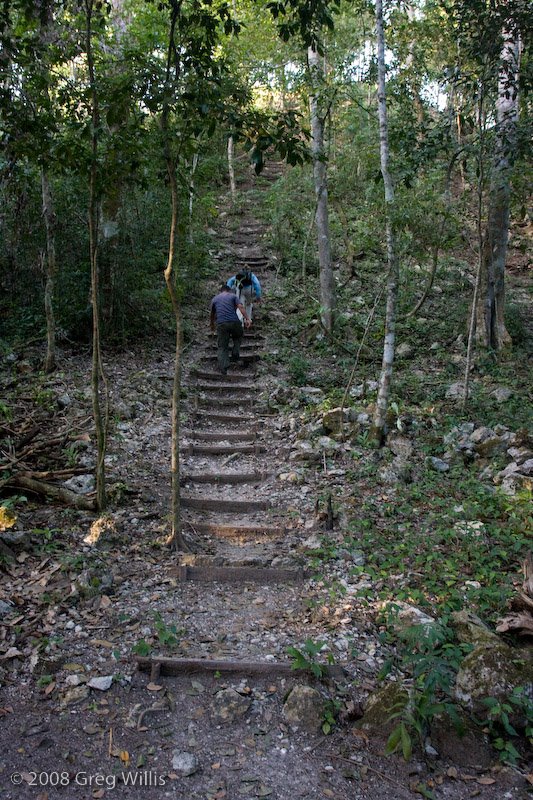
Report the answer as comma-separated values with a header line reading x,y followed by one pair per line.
x,y
380,706
492,670
471,629
184,764
501,394
228,705
404,350
304,708
102,683
333,420
402,615
81,484
438,464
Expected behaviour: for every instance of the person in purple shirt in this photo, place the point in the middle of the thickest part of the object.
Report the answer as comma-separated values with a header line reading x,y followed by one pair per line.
x,y
224,307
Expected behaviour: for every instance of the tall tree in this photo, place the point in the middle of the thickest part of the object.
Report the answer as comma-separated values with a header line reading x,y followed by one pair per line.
x,y
379,421
490,322
327,289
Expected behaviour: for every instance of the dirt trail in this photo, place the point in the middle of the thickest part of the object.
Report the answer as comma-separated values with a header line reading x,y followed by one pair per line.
x,y
175,728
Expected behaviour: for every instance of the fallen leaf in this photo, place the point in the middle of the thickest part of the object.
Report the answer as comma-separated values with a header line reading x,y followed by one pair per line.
x,y
28,777
154,687
13,652
6,710
452,772
97,793
102,643
529,778
216,765
486,781
125,757
50,688
105,601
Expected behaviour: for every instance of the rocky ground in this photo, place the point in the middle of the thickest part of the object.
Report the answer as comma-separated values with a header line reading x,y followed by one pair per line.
x,y
90,605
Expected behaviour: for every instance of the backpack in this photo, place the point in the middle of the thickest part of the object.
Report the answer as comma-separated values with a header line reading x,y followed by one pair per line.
x,y
243,279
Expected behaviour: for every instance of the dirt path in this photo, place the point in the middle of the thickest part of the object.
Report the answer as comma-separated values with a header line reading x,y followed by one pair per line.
x,y
76,712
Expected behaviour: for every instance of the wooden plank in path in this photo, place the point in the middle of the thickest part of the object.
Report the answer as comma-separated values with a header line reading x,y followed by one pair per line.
x,y
226,436
223,449
218,376
266,575
224,506
163,666
238,531
226,477
214,416
245,357
217,400
226,387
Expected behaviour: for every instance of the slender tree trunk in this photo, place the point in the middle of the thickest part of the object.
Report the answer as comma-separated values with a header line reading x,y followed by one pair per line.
x,y
379,422
51,269
177,540
490,324
194,165
97,370
231,167
327,290
177,535
112,193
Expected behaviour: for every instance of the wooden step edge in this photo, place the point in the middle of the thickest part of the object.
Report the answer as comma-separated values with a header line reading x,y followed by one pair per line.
x,y
223,436
162,666
236,531
224,506
222,574
214,416
226,478
221,450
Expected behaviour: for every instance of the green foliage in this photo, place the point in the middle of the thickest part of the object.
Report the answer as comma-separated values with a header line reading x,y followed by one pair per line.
x,y
306,658
498,722
431,659
168,635
142,648
298,368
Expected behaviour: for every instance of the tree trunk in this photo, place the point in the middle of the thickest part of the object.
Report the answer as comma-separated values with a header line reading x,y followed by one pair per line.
x,y
231,167
112,192
51,268
194,165
177,536
327,291
490,324
379,423
97,370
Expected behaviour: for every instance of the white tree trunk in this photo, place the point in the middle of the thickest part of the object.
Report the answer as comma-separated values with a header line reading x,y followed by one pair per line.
x,y
49,224
327,292
231,167
490,324
379,423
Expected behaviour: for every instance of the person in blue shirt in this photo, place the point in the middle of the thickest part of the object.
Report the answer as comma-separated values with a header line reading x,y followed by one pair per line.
x,y
247,288
223,317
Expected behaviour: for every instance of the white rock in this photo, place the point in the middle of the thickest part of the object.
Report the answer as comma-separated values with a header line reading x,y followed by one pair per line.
x,y
103,683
